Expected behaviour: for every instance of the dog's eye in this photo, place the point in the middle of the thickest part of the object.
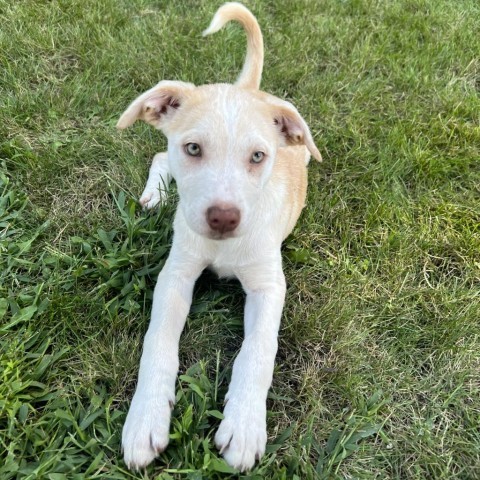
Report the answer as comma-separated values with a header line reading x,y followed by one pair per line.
x,y
257,157
193,149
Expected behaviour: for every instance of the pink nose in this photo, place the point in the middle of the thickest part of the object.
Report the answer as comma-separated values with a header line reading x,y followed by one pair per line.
x,y
223,220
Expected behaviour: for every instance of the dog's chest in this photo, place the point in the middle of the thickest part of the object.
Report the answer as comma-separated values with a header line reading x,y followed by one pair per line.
x,y
223,271
225,262
229,255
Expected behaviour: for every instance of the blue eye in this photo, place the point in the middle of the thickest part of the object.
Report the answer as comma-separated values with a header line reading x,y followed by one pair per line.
x,y
257,157
193,149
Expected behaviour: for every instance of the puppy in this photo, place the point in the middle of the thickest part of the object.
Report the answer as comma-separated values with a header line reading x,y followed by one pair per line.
x,y
239,159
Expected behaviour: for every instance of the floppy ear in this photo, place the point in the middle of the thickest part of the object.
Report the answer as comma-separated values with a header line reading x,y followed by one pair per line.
x,y
292,127
157,105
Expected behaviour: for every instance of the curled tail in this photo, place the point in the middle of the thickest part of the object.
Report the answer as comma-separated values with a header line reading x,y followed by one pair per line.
x,y
252,69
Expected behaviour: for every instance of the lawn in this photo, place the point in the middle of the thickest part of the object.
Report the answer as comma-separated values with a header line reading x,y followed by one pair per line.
x,y
378,370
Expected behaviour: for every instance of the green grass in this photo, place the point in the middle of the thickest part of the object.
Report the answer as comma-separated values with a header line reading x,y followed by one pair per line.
x,y
377,374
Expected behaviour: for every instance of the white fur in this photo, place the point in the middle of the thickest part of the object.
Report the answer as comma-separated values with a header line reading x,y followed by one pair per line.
x,y
230,123
157,184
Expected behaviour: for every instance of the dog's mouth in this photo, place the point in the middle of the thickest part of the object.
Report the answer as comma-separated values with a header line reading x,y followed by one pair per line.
x,y
213,235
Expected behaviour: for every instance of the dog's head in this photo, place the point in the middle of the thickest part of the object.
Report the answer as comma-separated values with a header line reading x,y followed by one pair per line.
x,y
222,144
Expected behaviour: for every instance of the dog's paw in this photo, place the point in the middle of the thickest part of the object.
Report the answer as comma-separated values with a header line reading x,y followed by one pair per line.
x,y
242,435
151,197
145,433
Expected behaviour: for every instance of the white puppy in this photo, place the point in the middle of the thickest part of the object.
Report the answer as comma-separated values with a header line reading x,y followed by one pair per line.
x,y
239,158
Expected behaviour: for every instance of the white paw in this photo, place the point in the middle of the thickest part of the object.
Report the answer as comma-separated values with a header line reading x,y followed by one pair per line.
x,y
152,196
145,433
242,435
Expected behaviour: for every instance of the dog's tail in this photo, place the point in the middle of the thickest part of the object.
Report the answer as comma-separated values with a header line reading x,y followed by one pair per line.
x,y
252,69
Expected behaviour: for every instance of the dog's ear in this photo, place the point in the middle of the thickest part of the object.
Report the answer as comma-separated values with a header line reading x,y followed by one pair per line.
x,y
157,105
292,127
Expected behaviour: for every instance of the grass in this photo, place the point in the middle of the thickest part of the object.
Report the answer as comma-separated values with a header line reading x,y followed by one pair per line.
x,y
377,374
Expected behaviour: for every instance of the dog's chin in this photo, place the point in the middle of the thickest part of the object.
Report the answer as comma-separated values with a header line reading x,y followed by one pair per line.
x,y
213,235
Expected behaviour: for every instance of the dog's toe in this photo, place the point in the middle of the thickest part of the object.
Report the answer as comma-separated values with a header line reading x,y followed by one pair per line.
x,y
145,198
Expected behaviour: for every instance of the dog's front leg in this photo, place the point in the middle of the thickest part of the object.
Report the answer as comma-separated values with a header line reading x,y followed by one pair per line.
x,y
146,430
158,180
242,435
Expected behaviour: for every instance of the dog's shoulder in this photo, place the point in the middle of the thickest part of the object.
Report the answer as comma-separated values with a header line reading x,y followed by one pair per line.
x,y
290,174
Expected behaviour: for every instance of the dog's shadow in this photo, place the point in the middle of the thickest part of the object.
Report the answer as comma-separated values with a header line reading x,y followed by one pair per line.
x,y
215,321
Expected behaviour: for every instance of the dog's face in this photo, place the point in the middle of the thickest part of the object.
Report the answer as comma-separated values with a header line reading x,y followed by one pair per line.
x,y
221,149
222,144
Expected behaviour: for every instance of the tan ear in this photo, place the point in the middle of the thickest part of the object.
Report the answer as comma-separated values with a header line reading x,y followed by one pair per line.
x,y
157,105
292,127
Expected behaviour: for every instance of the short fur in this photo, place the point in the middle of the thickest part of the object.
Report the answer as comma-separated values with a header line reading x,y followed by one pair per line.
x,y
232,126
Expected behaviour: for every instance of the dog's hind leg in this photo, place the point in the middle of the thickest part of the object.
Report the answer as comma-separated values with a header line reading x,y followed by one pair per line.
x,y
158,180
